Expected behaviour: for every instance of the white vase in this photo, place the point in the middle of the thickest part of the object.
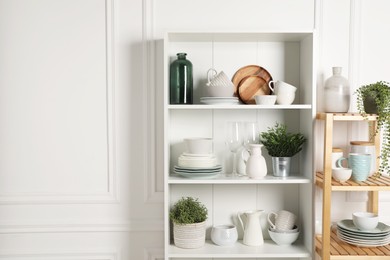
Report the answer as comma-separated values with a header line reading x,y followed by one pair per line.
x,y
336,93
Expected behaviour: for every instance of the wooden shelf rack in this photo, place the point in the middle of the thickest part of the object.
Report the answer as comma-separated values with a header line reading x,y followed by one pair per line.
x,y
328,246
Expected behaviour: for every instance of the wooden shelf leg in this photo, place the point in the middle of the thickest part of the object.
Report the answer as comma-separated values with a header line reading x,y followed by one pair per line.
x,y
373,201
327,189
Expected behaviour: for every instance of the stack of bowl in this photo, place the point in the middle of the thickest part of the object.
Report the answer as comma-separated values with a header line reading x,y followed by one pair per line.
x,y
283,230
198,161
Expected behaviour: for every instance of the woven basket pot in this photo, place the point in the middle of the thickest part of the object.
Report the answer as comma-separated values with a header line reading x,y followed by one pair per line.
x,y
189,235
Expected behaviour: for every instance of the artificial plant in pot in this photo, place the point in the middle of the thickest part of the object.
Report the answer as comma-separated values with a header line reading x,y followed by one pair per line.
x,y
188,216
375,99
281,146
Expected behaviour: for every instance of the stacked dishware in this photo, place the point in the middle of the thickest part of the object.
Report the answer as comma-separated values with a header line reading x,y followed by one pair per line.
x,y
219,90
364,230
198,161
283,230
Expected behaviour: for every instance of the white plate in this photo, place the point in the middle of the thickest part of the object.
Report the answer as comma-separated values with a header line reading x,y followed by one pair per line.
x,y
219,98
220,101
199,172
198,176
364,240
347,224
358,235
197,155
197,169
363,244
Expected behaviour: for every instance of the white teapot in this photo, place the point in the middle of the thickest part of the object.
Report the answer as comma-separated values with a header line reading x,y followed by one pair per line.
x,y
256,168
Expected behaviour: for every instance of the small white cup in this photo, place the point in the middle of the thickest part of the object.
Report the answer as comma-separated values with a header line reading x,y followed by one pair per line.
x,y
285,93
265,99
341,174
284,220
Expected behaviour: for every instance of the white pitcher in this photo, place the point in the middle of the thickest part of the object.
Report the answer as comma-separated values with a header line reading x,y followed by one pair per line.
x,y
253,235
256,168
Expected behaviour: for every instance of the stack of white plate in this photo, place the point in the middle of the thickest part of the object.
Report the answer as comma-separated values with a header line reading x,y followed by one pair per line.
x,y
220,100
349,233
197,165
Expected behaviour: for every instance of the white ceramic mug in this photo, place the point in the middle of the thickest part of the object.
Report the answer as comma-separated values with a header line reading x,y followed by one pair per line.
x,y
284,220
285,93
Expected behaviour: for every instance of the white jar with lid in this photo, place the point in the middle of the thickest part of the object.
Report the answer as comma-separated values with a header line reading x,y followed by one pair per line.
x,y
366,148
337,153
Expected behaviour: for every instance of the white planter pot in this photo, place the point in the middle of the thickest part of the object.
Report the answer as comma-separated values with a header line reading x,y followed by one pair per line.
x,y
189,235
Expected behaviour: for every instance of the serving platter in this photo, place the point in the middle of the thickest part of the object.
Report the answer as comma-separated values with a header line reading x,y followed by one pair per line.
x,y
251,86
250,70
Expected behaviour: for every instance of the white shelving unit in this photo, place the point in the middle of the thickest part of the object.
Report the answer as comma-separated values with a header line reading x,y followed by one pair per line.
x,y
288,56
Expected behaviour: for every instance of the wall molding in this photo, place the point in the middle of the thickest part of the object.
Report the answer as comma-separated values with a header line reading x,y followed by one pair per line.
x,y
95,254
354,47
111,195
136,225
151,192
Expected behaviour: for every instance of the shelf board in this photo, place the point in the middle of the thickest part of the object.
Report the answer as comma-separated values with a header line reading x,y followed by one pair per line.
x,y
347,116
381,183
240,106
264,36
340,250
239,250
223,179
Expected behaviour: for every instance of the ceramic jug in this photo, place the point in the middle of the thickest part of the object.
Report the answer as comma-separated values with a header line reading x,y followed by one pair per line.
x,y
256,168
253,235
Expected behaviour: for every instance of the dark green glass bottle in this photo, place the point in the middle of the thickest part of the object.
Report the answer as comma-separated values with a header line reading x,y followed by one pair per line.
x,y
181,84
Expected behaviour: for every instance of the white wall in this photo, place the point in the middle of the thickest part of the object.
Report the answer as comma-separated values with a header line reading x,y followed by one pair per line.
x,y
80,174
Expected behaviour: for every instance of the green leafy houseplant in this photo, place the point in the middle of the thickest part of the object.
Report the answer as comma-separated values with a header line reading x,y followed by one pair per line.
x,y
378,94
188,211
280,143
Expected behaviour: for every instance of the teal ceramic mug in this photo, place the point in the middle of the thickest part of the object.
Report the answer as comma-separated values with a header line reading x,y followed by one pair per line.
x,y
359,163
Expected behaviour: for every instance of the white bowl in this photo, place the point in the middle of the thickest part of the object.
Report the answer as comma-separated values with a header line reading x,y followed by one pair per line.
x,y
265,99
218,91
294,230
199,145
224,235
283,239
365,221
341,174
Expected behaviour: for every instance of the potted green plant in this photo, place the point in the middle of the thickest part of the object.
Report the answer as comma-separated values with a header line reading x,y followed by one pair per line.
x,y
281,146
375,99
189,223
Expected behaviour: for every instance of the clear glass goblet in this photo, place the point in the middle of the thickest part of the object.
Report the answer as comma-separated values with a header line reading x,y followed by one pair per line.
x,y
234,141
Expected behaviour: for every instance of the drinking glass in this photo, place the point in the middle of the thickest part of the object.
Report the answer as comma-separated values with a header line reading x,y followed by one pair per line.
x,y
234,141
251,134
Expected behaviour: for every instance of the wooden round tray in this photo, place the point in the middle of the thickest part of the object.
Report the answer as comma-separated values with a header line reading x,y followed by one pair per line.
x,y
250,70
250,86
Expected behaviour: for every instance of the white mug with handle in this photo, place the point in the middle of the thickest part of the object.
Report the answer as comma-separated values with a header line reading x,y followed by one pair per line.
x,y
285,93
284,220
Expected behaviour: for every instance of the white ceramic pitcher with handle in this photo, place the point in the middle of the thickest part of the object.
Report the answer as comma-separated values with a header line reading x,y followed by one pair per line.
x,y
253,235
256,167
